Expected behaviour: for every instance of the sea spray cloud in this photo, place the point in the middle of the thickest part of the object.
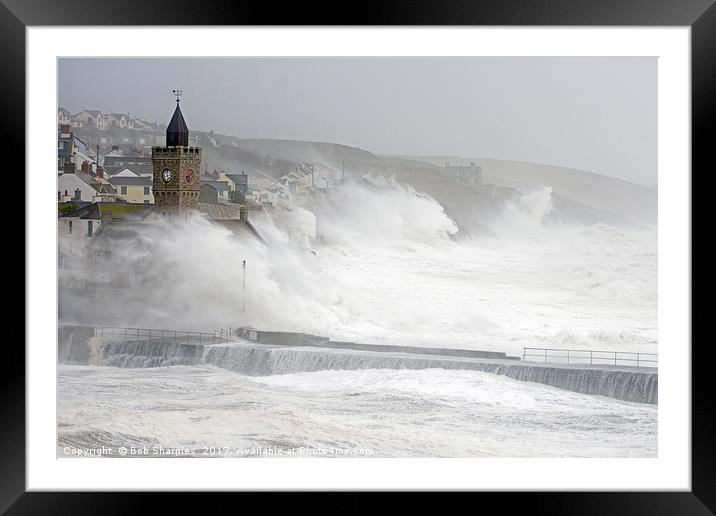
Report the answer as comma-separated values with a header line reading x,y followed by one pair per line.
x,y
374,261
380,212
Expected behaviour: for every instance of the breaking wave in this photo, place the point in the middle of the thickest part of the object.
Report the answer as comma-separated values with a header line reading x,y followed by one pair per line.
x,y
377,261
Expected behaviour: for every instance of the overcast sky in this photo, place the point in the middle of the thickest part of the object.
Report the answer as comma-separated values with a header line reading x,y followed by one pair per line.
x,y
595,114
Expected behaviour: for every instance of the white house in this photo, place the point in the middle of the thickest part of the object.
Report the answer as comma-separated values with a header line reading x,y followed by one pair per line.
x,y
63,117
117,120
79,157
81,186
75,230
92,117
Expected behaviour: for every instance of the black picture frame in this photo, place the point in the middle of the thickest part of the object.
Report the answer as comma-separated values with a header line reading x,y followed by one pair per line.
x,y
700,15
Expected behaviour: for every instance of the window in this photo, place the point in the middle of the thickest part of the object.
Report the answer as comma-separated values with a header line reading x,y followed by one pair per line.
x,y
123,190
146,190
89,228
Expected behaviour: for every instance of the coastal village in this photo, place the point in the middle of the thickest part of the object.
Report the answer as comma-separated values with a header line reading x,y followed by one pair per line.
x,y
117,175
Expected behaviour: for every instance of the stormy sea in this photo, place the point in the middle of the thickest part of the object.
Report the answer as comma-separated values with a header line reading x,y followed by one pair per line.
x,y
377,262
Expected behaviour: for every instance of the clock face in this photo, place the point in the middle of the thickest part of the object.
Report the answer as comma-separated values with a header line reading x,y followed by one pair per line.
x,y
166,175
189,176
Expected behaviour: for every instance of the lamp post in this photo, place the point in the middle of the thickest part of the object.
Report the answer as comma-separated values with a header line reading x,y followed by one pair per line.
x,y
243,288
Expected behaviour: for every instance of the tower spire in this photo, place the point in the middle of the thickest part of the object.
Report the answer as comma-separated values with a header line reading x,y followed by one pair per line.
x,y
177,131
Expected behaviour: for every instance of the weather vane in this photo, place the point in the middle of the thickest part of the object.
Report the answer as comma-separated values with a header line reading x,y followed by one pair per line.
x,y
177,94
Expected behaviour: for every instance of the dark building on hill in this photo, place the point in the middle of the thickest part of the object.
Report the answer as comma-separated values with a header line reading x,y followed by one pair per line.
x,y
470,174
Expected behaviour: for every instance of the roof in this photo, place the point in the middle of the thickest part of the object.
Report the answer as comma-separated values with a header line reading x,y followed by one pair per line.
x,y
126,172
93,112
177,131
121,233
146,169
221,186
64,111
115,152
84,177
121,159
84,157
131,180
91,211
239,178
125,211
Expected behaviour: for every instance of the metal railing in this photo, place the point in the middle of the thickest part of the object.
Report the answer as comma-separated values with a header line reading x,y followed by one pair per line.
x,y
164,336
589,356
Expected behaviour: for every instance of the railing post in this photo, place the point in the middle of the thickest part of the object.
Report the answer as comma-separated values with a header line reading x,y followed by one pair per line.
x,y
637,359
567,356
615,358
591,360
545,355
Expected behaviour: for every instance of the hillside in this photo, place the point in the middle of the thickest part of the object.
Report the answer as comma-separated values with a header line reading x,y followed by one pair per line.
x,y
605,194
578,196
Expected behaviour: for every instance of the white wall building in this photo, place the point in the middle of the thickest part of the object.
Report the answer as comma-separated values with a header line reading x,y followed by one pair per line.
x,y
63,117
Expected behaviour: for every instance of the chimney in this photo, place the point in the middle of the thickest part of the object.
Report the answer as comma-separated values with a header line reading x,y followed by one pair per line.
x,y
100,171
85,167
115,147
65,128
69,168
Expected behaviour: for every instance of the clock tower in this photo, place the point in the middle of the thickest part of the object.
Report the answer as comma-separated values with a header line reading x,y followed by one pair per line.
x,y
176,184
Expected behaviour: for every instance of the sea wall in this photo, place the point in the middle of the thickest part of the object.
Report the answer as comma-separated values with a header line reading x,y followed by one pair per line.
x,y
624,383
629,384
304,339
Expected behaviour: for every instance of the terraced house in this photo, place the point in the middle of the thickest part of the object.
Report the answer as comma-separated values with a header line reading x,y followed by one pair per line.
x,y
133,189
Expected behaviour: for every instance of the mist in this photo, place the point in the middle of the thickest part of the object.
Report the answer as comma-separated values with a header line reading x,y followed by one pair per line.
x,y
596,114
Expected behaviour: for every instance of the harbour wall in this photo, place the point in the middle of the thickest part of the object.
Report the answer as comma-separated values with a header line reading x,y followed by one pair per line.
x,y
260,359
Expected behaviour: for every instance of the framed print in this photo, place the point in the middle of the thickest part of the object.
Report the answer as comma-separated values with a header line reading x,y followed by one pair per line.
x,y
438,249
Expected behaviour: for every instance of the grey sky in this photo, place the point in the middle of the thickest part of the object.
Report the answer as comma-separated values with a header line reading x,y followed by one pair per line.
x,y
595,114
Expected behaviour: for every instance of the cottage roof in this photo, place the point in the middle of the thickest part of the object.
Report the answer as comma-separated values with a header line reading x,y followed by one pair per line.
x,y
238,178
130,181
125,172
219,186
91,211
